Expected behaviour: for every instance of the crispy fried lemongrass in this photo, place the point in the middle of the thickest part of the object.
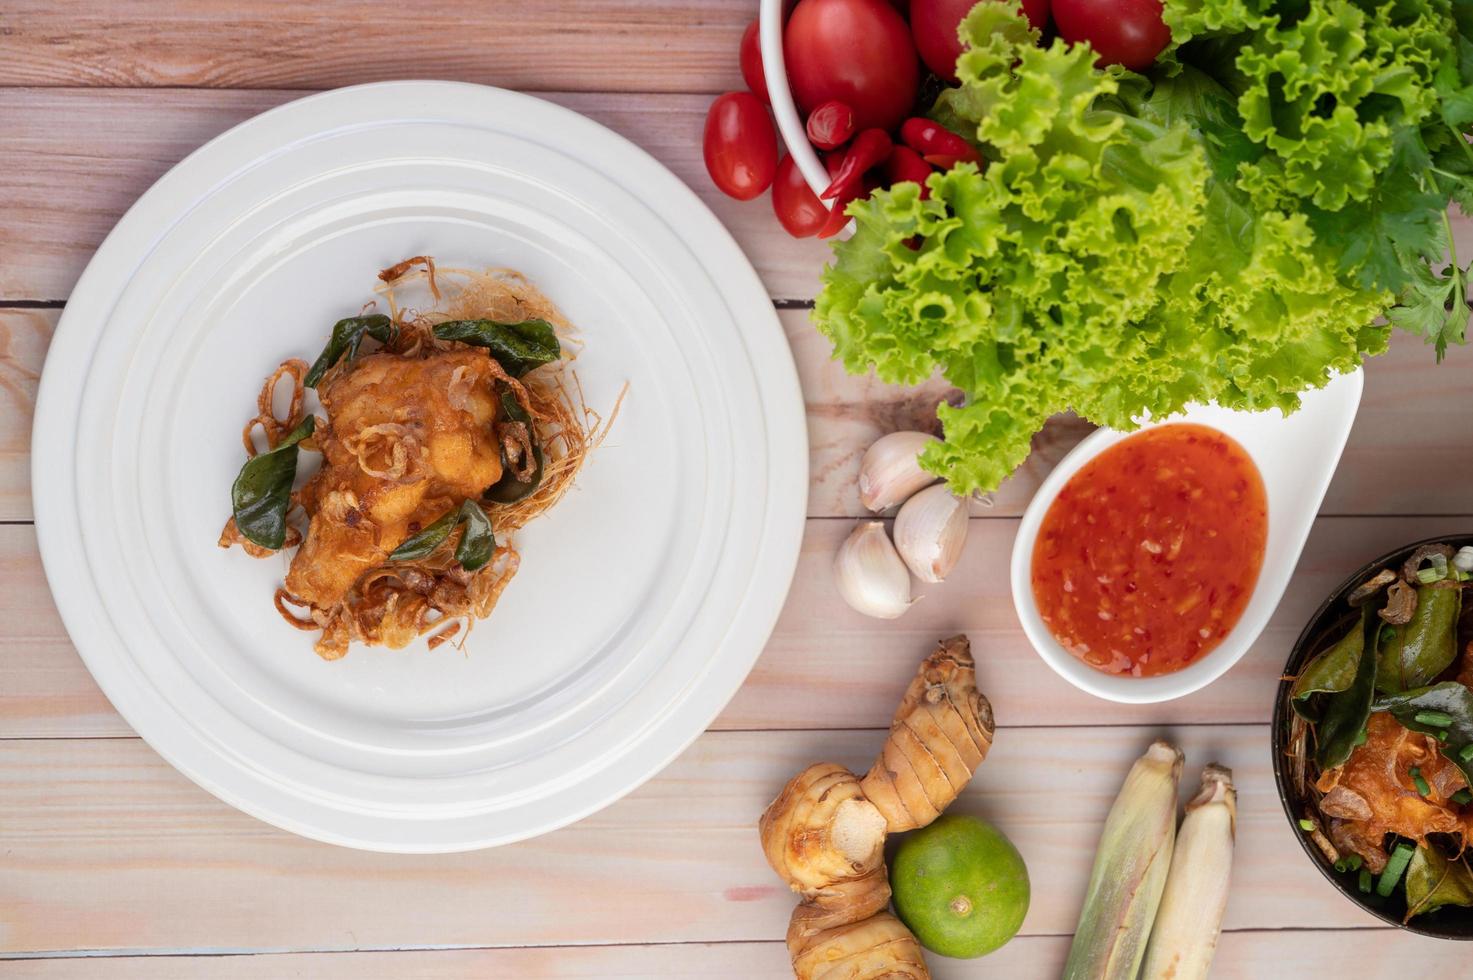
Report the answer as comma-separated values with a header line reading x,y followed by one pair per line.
x,y
1129,872
939,736
274,428
1184,936
825,832
877,947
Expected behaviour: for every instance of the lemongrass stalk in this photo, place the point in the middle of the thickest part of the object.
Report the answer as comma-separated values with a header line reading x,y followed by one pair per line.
x,y
1129,872
1189,920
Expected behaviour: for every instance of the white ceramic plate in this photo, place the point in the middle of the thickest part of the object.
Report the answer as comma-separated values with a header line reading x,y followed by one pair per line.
x,y
642,600
1296,456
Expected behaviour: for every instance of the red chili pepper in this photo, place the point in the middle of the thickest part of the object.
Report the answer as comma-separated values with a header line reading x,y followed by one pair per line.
x,y
932,140
869,148
832,162
906,164
837,218
942,161
830,125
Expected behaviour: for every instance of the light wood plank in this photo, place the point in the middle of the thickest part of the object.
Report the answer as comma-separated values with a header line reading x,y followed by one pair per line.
x,y
108,848
1243,955
72,161
1406,453
24,337
1404,416
577,45
825,665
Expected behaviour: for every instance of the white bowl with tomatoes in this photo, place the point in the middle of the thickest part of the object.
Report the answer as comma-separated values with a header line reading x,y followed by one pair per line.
x,y
850,83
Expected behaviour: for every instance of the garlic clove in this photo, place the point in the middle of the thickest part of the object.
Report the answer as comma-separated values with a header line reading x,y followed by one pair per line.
x,y
930,531
870,575
889,472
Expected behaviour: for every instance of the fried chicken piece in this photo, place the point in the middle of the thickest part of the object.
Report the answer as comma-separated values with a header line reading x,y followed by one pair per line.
x,y
406,440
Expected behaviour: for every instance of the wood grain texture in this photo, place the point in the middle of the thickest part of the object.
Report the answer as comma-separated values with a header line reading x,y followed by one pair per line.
x,y
578,45
825,666
1405,414
108,848
73,160
24,337
1242,955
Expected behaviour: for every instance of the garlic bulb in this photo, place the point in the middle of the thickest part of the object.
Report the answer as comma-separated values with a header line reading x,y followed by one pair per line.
x,y
889,471
930,531
870,575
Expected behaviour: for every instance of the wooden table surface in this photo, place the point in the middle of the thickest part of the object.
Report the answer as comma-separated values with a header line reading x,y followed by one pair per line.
x,y
107,853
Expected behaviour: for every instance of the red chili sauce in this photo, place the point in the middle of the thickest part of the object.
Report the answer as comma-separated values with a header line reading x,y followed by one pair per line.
x,y
1149,554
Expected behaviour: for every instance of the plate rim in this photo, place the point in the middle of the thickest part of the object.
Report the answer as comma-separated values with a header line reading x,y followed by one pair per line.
x,y
707,241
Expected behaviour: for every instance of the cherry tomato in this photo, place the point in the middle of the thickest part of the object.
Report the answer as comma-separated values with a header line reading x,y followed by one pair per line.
x,y
740,145
1123,32
856,51
751,57
830,125
798,209
933,23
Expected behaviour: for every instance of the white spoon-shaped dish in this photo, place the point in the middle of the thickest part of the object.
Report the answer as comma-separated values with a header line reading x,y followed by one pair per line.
x,y
1296,456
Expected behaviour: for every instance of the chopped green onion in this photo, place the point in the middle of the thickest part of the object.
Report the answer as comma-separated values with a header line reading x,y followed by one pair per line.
x,y
1306,825
1400,858
1442,735
1462,797
1466,752
1436,719
1351,862
1388,633
1436,573
1365,880
1419,782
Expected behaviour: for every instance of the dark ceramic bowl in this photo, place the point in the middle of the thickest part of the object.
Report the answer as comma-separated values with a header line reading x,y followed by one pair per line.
x,y
1332,616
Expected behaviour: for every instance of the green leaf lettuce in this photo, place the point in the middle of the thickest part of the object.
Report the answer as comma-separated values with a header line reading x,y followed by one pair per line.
x,y
1104,261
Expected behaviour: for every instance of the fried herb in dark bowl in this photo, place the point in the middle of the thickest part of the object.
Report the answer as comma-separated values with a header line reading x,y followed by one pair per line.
x,y
1373,737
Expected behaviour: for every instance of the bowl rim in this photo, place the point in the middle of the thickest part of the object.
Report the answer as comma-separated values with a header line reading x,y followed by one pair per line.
x,y
780,96
1121,689
1338,399
1281,719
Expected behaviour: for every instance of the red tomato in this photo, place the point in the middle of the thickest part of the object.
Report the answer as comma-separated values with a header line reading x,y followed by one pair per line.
x,y
856,51
1123,32
740,145
798,209
934,24
751,57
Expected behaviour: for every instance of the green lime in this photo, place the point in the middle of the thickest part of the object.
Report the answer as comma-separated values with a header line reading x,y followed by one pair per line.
x,y
961,886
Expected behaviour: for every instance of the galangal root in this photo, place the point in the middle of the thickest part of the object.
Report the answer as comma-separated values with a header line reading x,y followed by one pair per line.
x,y
825,832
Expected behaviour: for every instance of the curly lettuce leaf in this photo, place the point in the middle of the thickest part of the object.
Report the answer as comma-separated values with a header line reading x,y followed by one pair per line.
x,y
1363,110
1104,261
